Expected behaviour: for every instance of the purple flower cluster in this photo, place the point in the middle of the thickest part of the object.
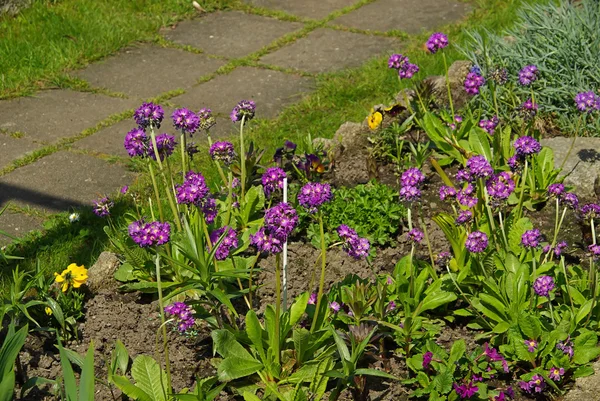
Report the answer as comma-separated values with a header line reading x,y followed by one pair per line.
x,y
244,109
272,180
489,125
557,250
493,355
447,192
209,209
265,242
589,211
465,390
149,115
464,216
411,181
531,238
102,206
229,242
526,146
149,234
528,74
314,194
476,242
466,198
184,315
543,285
206,119
473,82
571,200
427,358
587,101
415,236
222,151
499,75
528,109
401,63
354,246
193,191
443,258
165,144
136,142
556,190
479,167
594,250
436,42
537,384
185,120
280,221
567,347
556,374
500,186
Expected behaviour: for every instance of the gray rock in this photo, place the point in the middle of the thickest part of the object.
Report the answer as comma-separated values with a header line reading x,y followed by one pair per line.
x,y
586,388
582,167
456,76
353,166
13,7
100,275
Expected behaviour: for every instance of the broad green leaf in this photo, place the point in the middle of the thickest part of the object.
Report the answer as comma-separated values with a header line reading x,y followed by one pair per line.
x,y
298,308
435,300
530,326
516,232
13,342
232,368
226,345
585,355
584,311
583,371
7,386
457,351
341,345
443,382
250,397
255,334
150,377
68,375
501,327
124,273
131,391
86,381
374,372
120,357
480,143
57,312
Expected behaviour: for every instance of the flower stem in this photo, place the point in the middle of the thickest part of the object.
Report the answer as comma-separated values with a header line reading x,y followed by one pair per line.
x,y
219,168
162,320
448,84
322,279
243,159
156,192
523,182
277,306
183,154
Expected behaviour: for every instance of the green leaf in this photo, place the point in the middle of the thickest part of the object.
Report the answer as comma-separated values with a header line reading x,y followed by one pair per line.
x,y
341,345
68,375
374,372
150,377
31,383
130,390
124,273
516,232
232,368
86,382
250,397
226,345
583,371
584,311
7,385
120,357
434,300
255,334
457,351
57,312
501,327
480,143
11,346
298,308
443,382
530,326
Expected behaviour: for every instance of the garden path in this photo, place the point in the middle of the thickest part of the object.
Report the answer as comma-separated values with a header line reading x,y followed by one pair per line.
x,y
60,149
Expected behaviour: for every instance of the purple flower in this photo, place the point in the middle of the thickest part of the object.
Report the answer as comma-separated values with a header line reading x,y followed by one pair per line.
x,y
571,200
356,247
543,285
401,63
396,61
447,192
558,249
587,101
531,345
245,108
537,384
514,163
415,236
589,211
265,242
149,234
165,144
490,125
410,194
183,315
500,186
185,120
492,353
476,242
526,146
556,374
149,115
124,189
427,358
272,180
566,347
390,306
209,209
528,74
531,238
335,307
193,191
136,142
413,177
594,250
312,300
314,194
280,220
206,119
229,242
465,196
473,82
443,258
222,151
528,109
556,189
436,42
102,207
408,71
463,176
466,390
499,75
479,167
464,216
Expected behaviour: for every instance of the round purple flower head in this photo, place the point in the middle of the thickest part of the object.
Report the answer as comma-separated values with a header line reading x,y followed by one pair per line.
x,y
436,42
149,115
466,198
427,358
405,68
463,176
165,144
556,190
222,151
477,242
413,177
447,192
526,146
443,258
537,384
464,216
272,180
280,220
556,373
543,285
185,120
531,238
500,186
314,194
589,211
415,235
528,109
210,209
410,194
136,142
571,200
206,119
245,108
396,61
465,390
490,125
229,242
479,167
408,71
149,234
266,242
558,249
184,315
528,74
356,247
587,101
193,191
473,82
102,207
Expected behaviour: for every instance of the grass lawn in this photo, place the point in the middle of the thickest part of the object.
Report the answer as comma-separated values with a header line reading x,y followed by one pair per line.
x,y
340,97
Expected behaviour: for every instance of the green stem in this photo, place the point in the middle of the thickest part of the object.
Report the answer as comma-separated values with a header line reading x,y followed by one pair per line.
x,y
219,168
322,279
523,181
162,171
242,159
572,142
183,154
277,306
448,85
156,192
533,277
593,275
162,320
502,228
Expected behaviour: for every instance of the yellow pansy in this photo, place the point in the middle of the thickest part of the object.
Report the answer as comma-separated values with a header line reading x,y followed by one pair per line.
x,y
73,275
48,311
375,119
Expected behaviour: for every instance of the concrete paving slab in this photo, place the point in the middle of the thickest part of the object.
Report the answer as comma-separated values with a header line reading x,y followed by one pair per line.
x,y
410,16
62,180
230,34
50,115
17,225
271,90
315,9
12,149
147,71
325,50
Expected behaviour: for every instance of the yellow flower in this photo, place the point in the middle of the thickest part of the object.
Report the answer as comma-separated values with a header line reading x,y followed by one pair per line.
x,y
73,275
48,311
375,119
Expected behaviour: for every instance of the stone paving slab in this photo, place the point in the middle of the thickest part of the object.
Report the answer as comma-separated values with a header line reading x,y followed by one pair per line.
x,y
50,115
17,225
325,50
14,148
230,33
316,9
148,71
62,180
411,16
271,90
